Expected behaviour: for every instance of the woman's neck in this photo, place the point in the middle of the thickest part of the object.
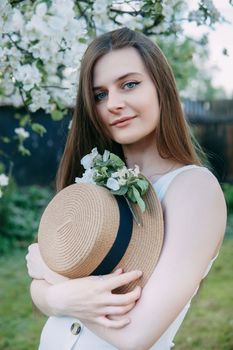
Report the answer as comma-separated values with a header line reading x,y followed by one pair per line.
x,y
146,156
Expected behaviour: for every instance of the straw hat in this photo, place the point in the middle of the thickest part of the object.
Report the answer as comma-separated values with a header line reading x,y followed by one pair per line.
x,y
85,230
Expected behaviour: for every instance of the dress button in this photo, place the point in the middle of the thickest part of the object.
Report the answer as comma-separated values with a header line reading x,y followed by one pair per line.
x,y
75,328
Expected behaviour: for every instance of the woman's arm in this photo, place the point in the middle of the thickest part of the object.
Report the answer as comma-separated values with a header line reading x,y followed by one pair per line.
x,y
88,298
195,216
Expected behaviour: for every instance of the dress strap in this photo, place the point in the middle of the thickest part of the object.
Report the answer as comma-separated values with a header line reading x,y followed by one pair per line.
x,y
162,184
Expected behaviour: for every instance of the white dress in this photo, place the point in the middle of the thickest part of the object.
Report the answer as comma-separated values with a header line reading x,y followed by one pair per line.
x,y
67,333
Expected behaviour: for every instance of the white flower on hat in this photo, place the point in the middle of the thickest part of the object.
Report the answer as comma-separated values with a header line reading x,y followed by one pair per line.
x,y
108,170
88,177
4,180
121,172
113,184
106,155
88,160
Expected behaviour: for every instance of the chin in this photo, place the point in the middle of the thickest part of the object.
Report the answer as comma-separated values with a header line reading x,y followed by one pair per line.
x,y
127,140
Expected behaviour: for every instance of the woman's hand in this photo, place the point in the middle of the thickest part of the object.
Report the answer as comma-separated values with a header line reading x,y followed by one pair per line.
x,y
37,268
91,299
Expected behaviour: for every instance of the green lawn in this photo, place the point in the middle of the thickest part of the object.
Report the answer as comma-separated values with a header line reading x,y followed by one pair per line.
x,y
208,325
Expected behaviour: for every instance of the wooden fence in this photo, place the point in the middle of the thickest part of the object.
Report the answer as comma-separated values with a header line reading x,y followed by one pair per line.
x,y
212,123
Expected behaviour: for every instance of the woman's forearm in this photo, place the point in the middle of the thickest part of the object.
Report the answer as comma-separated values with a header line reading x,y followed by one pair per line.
x,y
39,290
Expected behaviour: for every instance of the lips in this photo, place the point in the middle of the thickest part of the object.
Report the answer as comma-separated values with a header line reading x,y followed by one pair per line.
x,y
122,120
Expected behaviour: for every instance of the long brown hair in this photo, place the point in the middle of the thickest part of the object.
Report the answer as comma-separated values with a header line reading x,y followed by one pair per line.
x,y
173,136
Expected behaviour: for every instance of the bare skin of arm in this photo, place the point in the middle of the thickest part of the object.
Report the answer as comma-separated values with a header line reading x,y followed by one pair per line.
x,y
89,298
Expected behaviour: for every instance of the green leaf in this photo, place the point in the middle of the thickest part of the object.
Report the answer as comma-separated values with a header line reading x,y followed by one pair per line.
x,y
57,115
143,184
130,195
5,139
103,171
39,129
121,192
24,151
138,198
24,120
116,161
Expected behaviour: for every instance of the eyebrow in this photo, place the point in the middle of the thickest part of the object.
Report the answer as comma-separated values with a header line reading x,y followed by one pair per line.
x,y
118,79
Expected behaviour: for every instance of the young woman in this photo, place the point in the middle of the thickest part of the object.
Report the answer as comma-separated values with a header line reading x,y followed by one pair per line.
x,y
128,103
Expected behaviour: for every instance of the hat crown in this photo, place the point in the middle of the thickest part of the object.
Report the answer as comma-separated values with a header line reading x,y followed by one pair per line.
x,y
83,224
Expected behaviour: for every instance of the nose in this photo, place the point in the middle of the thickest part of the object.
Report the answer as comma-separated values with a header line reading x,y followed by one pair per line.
x,y
115,101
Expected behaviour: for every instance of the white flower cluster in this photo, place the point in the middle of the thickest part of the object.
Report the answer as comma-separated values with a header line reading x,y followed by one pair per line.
x,y
88,164
4,180
200,17
42,42
100,12
37,46
117,178
5,17
109,171
22,133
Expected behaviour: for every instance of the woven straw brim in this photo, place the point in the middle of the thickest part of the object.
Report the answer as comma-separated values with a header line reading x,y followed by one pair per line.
x,y
146,244
79,227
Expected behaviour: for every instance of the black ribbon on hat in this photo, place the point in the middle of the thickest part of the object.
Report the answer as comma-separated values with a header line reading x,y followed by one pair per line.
x,y
121,242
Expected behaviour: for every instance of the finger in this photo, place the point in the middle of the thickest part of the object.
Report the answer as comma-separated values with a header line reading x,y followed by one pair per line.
x,y
104,321
118,310
122,279
125,299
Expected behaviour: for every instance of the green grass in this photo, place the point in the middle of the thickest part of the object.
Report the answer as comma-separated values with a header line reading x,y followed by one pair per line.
x,y
19,325
208,325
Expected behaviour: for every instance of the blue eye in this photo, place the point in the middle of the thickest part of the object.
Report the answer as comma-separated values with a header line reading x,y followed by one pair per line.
x,y
131,84
100,96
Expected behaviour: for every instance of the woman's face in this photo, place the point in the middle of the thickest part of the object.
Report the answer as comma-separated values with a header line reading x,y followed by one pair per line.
x,y
126,98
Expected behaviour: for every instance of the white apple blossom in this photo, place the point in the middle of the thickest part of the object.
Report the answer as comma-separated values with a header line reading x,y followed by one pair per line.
x,y
4,180
64,8
113,184
87,177
121,173
106,155
87,161
41,9
40,99
18,22
22,133
5,15
42,41
29,75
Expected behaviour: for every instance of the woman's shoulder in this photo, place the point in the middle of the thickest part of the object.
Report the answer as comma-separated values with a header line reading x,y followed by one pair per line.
x,y
194,179
195,196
